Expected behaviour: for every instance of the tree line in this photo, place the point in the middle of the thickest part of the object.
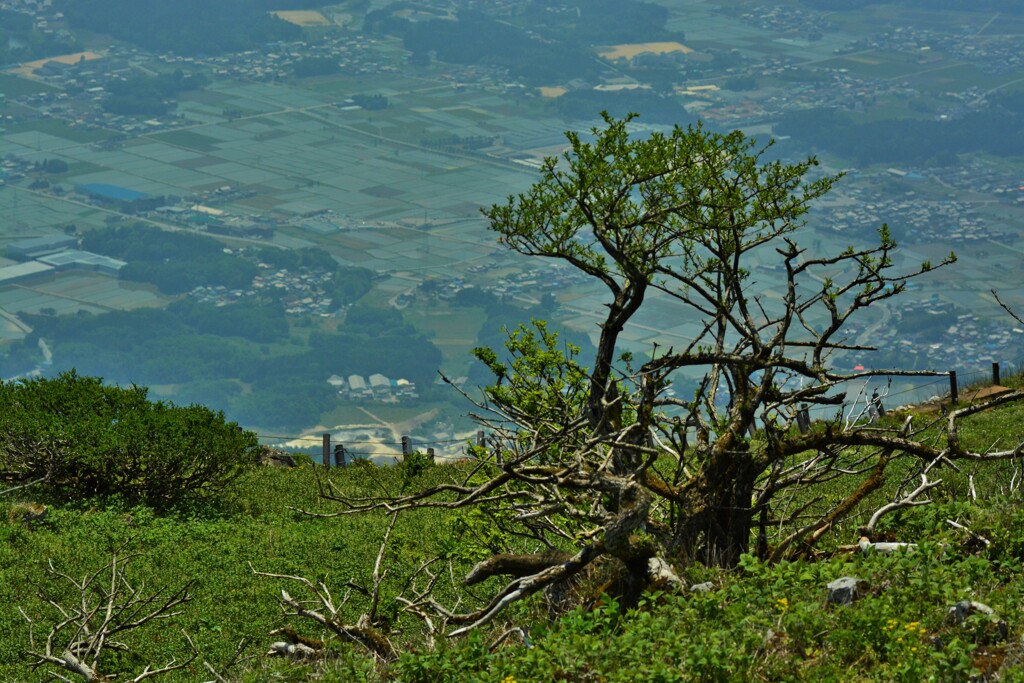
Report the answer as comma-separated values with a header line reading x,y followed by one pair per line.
x,y
150,95
178,262
541,44
21,41
186,27
997,131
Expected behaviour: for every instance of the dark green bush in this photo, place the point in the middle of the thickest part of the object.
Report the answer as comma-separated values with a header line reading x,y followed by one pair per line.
x,y
89,439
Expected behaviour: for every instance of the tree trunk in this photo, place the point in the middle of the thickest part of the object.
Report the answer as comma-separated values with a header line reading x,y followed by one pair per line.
x,y
715,525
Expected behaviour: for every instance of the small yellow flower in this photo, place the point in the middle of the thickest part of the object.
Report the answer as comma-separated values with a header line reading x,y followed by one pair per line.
x,y
913,649
782,604
509,679
912,625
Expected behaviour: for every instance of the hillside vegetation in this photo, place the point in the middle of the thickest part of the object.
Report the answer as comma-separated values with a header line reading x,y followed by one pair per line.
x,y
757,622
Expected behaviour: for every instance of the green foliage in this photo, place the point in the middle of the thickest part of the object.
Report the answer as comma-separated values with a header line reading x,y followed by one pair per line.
x,y
309,258
538,43
316,66
150,95
89,440
907,141
189,27
176,262
256,321
21,41
211,545
542,378
412,466
766,623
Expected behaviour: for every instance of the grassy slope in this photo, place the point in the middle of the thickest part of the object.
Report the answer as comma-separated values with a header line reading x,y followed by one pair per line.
x,y
761,623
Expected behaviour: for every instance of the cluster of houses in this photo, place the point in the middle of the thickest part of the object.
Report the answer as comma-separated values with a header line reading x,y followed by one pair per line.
x,y
1000,52
301,293
912,218
376,388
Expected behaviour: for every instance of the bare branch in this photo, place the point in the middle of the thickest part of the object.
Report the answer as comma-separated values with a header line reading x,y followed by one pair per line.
x,y
909,500
104,607
1006,308
40,480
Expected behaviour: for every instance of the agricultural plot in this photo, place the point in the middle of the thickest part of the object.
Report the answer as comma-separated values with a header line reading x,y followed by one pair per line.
x,y
304,18
101,290
24,213
23,300
13,87
72,292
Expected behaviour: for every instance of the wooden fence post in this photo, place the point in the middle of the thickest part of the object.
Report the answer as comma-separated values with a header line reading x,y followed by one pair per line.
x,y
803,419
480,438
327,449
954,395
339,455
430,454
995,372
406,447
876,401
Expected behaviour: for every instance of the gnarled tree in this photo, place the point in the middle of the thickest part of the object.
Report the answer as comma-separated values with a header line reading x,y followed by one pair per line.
x,y
607,460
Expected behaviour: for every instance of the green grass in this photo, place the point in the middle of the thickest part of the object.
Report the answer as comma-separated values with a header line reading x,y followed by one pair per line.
x,y
761,622
213,548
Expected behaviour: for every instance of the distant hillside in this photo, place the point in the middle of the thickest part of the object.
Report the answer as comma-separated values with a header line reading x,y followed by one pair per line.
x,y
186,27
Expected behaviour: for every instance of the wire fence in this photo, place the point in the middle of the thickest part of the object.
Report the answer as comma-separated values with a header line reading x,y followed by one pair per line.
x,y
342,453
879,392
898,391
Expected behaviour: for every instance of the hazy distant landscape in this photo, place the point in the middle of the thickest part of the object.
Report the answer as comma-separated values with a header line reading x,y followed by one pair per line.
x,y
273,201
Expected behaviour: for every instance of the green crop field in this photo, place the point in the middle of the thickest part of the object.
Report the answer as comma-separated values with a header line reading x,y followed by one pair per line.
x,y
13,86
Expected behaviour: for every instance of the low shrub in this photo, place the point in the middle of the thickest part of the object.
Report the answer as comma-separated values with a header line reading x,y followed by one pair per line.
x,y
88,439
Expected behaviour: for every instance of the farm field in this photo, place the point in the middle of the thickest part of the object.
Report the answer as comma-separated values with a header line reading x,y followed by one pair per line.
x,y
72,292
304,18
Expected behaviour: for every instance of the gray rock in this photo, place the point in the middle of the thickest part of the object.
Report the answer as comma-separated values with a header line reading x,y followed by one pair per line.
x,y
959,612
995,630
845,590
706,587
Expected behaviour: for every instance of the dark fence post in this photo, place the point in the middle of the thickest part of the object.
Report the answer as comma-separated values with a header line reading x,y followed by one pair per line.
x,y
954,395
876,401
327,449
995,372
803,419
430,454
339,455
480,438
406,447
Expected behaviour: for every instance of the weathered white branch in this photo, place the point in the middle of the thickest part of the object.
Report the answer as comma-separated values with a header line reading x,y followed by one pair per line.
x,y
101,612
910,500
